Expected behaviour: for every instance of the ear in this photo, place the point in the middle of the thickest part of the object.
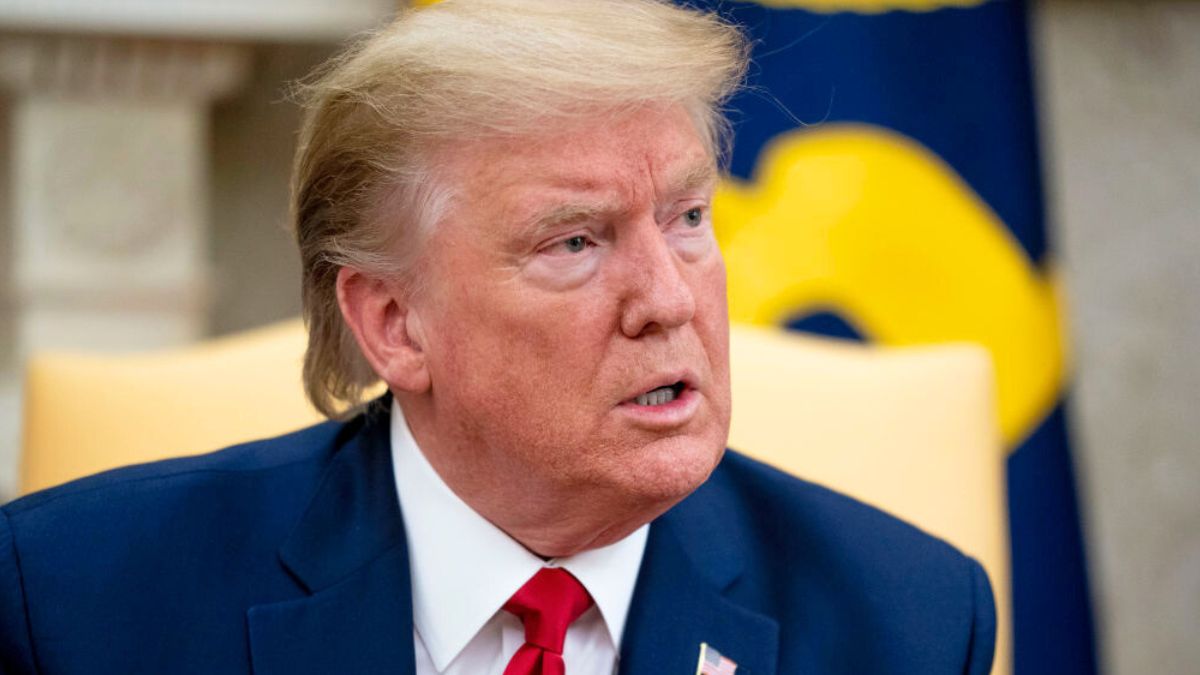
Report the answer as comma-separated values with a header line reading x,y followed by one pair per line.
x,y
385,327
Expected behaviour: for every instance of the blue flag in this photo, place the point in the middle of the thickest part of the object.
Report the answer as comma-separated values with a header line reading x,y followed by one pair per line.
x,y
886,186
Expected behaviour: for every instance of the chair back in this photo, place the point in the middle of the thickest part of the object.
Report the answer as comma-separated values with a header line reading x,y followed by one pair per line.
x,y
910,430
85,413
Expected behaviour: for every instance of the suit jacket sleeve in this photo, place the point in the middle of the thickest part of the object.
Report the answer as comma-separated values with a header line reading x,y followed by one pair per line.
x,y
16,649
983,629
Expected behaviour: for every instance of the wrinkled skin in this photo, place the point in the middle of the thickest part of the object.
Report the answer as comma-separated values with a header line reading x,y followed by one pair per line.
x,y
573,271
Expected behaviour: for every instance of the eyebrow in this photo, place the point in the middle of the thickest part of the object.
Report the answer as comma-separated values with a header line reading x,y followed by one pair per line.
x,y
695,177
562,214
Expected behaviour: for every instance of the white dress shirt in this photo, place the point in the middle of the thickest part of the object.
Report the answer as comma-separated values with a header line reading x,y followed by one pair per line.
x,y
464,569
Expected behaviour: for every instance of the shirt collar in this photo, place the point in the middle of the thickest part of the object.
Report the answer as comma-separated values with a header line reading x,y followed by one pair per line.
x,y
454,594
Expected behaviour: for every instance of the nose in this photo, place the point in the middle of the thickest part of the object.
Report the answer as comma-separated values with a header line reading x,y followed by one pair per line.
x,y
658,296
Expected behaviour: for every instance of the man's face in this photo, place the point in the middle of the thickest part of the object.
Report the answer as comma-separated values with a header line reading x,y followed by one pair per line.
x,y
574,273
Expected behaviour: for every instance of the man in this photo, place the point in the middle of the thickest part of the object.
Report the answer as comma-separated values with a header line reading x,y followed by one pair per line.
x,y
503,212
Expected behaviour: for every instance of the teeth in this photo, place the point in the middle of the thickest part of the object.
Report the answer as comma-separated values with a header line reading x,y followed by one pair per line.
x,y
660,396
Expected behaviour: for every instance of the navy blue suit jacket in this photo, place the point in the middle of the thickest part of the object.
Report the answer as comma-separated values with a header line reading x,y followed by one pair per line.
x,y
288,556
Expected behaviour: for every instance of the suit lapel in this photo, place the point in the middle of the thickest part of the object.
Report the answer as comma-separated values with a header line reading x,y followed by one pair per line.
x,y
678,601
349,554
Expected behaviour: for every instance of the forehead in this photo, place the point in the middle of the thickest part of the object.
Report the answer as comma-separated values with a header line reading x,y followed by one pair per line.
x,y
634,156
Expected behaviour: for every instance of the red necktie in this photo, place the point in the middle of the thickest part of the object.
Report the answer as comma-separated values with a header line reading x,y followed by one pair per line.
x,y
546,605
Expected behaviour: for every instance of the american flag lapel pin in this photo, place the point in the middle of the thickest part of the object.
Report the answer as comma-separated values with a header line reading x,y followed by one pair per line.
x,y
712,663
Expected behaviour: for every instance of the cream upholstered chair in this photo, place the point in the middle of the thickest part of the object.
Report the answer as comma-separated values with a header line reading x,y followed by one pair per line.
x,y
85,413
910,430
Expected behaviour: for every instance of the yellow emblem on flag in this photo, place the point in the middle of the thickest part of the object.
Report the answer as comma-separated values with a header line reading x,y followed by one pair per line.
x,y
865,222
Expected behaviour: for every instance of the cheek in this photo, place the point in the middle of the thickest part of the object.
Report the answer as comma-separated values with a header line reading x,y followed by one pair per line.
x,y
522,354
559,336
712,323
712,306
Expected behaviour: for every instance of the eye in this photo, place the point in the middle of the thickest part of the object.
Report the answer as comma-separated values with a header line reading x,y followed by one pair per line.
x,y
694,216
571,246
575,244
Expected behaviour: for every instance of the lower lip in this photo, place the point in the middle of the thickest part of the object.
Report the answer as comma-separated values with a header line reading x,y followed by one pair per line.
x,y
673,414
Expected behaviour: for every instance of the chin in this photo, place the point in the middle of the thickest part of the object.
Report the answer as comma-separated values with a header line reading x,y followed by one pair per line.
x,y
670,469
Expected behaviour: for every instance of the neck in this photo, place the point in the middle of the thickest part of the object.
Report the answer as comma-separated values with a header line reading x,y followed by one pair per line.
x,y
549,519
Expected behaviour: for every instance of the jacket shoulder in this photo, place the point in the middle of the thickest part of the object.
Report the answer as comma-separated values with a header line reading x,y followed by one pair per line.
x,y
243,498
311,445
833,570
152,546
768,503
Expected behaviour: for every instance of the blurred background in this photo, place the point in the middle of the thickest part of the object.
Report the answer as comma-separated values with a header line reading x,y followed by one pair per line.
x,y
144,166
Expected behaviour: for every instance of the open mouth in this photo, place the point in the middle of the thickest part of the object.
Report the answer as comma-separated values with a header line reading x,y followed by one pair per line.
x,y
660,396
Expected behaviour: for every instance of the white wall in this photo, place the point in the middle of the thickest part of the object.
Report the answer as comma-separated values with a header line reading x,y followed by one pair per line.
x,y
1121,103
256,269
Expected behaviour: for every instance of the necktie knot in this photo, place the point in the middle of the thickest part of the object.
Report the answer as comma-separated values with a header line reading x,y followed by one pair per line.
x,y
547,604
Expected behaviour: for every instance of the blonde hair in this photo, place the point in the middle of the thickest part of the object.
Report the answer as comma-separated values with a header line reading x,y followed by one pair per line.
x,y
363,192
